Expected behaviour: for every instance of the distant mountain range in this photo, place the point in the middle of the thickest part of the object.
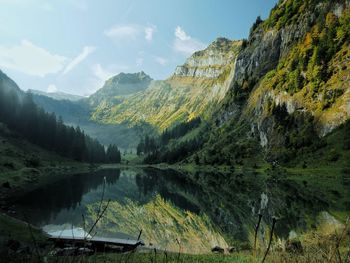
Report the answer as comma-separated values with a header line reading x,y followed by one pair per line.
x,y
57,95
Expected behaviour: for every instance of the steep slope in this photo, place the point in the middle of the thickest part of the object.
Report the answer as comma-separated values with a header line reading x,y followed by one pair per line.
x,y
290,86
194,89
289,89
8,85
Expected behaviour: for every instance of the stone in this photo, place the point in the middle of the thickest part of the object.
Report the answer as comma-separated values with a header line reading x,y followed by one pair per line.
x,y
218,249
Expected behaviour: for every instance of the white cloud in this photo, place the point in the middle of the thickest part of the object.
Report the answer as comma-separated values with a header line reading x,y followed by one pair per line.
x,y
130,32
181,34
105,73
122,32
149,32
101,73
185,44
78,59
161,61
30,59
52,88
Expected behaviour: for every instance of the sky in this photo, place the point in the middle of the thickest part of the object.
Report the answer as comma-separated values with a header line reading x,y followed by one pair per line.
x,y
73,46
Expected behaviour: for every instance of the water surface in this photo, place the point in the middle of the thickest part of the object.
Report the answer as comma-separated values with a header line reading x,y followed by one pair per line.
x,y
200,209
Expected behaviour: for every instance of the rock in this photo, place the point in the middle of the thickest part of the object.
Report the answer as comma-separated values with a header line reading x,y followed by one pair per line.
x,y
211,62
232,249
294,246
217,249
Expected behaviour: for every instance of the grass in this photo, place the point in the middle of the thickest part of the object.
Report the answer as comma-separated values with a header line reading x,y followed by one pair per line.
x,y
18,230
162,257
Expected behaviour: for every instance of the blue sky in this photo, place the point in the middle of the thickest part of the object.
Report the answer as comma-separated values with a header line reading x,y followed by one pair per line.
x,y
75,45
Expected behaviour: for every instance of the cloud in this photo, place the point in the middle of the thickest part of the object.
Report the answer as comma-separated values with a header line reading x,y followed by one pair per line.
x,y
78,59
161,61
30,59
130,32
123,32
149,32
52,88
181,34
101,73
185,44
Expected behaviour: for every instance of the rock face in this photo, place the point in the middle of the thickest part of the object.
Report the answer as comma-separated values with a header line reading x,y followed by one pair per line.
x,y
211,62
266,47
264,51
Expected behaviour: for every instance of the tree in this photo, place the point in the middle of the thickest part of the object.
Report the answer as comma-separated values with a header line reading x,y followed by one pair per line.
x,y
21,114
113,154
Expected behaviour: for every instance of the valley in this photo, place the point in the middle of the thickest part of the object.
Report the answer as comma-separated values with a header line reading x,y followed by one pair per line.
x,y
241,153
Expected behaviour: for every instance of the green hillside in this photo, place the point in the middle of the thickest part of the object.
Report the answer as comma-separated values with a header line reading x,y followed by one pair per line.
x,y
288,91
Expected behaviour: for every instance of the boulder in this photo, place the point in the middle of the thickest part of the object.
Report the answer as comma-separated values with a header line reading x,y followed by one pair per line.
x,y
217,249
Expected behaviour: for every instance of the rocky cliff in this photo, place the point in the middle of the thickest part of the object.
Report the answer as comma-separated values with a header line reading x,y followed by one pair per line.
x,y
211,62
290,85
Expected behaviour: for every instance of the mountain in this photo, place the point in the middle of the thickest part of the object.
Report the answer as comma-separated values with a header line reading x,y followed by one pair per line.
x,y
192,91
8,85
57,95
289,87
118,87
289,94
274,96
130,105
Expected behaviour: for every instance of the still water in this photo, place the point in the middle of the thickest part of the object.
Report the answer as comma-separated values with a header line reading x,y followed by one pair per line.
x,y
200,209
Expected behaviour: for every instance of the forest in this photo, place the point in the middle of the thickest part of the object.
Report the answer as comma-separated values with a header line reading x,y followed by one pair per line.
x,y
22,115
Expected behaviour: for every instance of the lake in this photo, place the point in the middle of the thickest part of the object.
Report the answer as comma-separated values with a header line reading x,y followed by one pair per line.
x,y
198,210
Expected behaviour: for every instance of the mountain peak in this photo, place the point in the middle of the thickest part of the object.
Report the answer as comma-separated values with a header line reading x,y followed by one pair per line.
x,y
121,85
128,78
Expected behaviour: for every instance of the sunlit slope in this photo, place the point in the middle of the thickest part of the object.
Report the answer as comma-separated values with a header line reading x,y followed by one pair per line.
x,y
193,90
